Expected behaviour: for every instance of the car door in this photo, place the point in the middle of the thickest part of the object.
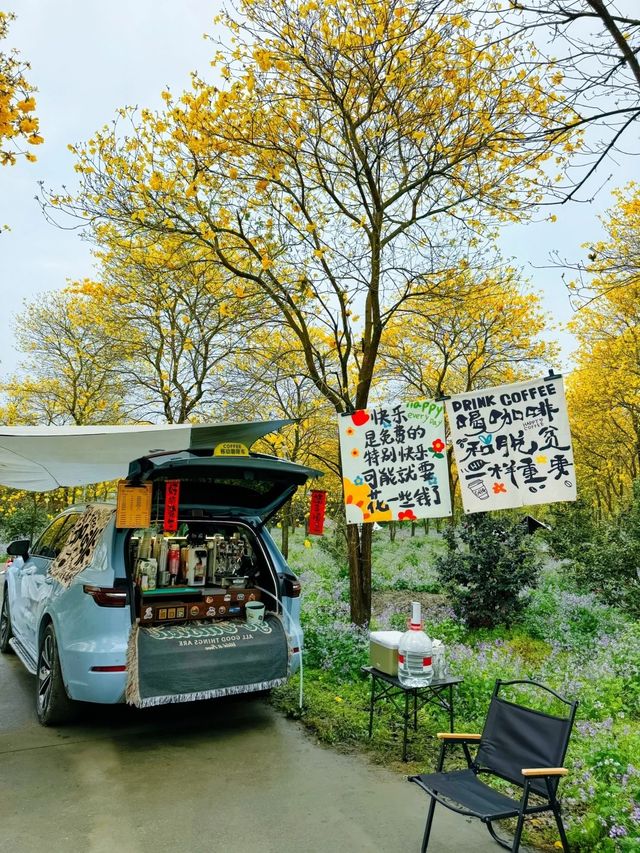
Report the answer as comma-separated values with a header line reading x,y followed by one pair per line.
x,y
36,585
24,571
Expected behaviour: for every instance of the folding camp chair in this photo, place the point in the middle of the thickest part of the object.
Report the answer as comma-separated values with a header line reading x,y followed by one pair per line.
x,y
523,746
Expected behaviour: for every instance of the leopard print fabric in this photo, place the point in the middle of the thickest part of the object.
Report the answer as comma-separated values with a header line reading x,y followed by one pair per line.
x,y
81,544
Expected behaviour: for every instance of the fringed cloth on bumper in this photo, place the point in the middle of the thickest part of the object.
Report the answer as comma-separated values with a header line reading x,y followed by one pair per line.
x,y
204,660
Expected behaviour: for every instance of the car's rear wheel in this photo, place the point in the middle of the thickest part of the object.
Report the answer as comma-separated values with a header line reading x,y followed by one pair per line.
x,y
53,706
5,623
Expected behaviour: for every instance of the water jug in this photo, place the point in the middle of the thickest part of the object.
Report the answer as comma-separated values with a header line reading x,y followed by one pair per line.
x,y
414,653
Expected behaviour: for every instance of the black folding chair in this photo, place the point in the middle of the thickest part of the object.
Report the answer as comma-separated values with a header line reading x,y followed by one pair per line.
x,y
523,746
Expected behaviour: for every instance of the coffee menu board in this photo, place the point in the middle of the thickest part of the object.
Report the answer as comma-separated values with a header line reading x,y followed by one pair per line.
x,y
133,505
512,445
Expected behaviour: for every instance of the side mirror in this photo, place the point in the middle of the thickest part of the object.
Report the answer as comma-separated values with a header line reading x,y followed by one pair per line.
x,y
19,548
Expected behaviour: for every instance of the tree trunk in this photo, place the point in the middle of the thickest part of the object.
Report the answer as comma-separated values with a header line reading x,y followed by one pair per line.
x,y
392,531
285,520
452,518
425,524
413,528
359,538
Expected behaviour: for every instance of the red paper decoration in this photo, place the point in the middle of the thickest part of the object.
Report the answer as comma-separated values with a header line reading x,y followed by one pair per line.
x,y
316,512
171,505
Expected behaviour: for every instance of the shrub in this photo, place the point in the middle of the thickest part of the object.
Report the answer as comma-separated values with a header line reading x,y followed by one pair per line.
x,y
25,521
568,619
573,527
488,563
333,644
611,565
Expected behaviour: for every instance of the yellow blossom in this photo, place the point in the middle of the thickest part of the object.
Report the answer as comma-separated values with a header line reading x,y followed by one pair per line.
x,y
28,125
27,106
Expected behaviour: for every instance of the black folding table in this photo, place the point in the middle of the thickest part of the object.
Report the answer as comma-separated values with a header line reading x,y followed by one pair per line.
x,y
385,686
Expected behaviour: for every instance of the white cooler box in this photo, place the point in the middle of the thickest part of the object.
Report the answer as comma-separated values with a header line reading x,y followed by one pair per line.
x,y
383,650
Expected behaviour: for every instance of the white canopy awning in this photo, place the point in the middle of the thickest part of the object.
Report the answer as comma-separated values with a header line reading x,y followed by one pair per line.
x,y
42,458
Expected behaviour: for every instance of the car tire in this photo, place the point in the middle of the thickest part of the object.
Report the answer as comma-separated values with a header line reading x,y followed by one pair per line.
x,y
53,706
5,624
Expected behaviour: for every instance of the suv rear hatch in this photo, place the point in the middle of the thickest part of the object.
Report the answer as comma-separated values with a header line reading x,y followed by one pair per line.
x,y
195,641
249,487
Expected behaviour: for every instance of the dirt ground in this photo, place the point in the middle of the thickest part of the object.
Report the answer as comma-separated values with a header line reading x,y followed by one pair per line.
x,y
401,600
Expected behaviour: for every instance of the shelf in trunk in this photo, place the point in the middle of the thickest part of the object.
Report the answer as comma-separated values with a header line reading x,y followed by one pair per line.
x,y
191,590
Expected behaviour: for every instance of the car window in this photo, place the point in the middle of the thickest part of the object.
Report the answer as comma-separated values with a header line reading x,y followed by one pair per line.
x,y
45,545
54,537
65,531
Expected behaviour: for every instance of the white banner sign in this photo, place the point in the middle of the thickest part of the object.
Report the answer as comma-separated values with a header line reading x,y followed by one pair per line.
x,y
512,445
394,463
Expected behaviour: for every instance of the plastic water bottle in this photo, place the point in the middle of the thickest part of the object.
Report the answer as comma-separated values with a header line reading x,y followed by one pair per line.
x,y
414,653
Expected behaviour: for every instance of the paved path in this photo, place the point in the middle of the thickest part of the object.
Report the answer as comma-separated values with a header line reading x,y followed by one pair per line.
x,y
210,776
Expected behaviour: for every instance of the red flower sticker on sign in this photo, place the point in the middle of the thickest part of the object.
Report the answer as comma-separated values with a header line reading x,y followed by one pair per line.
x,y
360,417
171,505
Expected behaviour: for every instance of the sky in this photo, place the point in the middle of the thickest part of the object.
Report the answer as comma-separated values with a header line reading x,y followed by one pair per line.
x,y
88,58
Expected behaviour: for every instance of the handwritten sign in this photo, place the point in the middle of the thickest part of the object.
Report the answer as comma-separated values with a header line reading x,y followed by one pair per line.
x,y
394,464
133,505
512,445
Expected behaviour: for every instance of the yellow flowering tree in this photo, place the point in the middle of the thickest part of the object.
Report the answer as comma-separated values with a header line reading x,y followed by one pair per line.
x,y
270,370
488,335
353,154
604,391
175,324
18,123
68,374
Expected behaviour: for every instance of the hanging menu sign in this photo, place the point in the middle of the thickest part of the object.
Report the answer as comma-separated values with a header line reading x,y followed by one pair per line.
x,y
394,464
133,505
512,445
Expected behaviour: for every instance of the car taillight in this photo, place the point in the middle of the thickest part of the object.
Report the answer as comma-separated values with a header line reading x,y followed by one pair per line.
x,y
106,596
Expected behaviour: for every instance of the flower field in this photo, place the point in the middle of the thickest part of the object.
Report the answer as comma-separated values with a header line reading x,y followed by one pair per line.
x,y
565,638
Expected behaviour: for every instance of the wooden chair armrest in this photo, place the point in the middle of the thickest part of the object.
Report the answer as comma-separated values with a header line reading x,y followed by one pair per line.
x,y
544,771
458,736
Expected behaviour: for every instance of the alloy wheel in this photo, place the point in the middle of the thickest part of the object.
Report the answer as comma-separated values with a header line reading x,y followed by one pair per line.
x,y
4,621
45,673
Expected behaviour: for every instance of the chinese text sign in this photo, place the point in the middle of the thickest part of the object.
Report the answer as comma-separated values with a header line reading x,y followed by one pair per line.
x,y
171,505
394,464
512,445
317,511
